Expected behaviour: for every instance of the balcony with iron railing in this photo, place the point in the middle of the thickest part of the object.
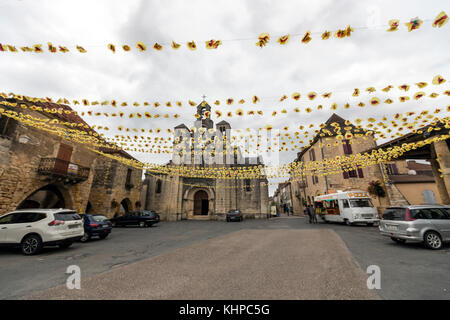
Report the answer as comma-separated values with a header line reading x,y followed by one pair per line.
x,y
64,170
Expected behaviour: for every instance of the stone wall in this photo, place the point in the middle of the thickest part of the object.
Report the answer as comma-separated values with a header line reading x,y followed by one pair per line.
x,y
19,177
110,188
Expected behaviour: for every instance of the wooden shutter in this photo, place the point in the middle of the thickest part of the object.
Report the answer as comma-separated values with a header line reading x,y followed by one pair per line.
x,y
347,147
63,158
360,173
64,152
345,173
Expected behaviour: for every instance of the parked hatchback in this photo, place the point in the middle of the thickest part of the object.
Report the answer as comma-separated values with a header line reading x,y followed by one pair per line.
x,y
429,224
95,225
143,218
32,229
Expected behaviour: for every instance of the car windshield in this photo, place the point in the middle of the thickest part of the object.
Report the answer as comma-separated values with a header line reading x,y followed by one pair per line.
x,y
146,213
99,218
360,203
233,211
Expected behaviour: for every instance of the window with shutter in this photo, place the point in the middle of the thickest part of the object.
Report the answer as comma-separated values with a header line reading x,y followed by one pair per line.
x,y
312,155
347,147
394,168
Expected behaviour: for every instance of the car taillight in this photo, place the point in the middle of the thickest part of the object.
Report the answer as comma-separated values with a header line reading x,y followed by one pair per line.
x,y
56,223
408,215
95,225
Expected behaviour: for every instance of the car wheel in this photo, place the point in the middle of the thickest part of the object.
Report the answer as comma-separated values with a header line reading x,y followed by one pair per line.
x,y
86,237
432,240
103,236
397,240
228,219
65,245
142,224
113,224
347,222
31,244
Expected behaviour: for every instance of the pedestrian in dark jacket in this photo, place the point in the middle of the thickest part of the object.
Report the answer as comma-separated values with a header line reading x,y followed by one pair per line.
x,y
311,213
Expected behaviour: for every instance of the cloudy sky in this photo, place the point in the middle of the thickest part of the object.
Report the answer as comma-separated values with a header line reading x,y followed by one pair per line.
x,y
238,69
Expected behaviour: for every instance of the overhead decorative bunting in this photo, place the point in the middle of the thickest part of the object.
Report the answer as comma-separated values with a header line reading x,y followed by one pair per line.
x,y
324,167
440,20
262,40
414,24
406,125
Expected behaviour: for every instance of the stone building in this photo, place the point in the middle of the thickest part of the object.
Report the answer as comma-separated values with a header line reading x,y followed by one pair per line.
x,y
39,169
305,188
436,153
405,182
177,197
283,197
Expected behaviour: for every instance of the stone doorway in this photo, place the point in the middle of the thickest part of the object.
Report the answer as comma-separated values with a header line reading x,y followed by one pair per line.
x,y
125,206
201,203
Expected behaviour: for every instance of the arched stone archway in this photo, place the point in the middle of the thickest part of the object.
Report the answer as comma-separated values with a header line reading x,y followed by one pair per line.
x,y
199,203
89,207
48,197
125,206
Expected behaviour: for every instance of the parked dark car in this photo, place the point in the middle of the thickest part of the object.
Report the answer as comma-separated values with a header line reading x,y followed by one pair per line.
x,y
143,218
234,215
95,225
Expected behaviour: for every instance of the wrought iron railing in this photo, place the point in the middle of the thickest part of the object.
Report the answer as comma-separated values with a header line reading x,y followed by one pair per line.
x,y
62,168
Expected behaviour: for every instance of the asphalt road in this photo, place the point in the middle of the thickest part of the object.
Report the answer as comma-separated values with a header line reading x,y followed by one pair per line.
x,y
407,271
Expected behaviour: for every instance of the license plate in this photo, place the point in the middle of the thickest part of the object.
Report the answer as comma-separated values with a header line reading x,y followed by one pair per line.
x,y
391,227
73,226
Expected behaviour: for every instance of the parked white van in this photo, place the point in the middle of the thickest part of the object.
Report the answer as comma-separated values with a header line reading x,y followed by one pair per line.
x,y
349,207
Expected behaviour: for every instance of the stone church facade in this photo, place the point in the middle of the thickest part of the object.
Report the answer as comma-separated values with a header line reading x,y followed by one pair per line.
x,y
197,198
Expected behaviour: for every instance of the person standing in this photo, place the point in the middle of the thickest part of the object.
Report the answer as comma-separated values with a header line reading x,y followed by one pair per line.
x,y
314,214
311,213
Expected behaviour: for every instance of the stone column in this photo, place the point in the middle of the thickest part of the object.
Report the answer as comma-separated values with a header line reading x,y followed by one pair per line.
x,y
440,165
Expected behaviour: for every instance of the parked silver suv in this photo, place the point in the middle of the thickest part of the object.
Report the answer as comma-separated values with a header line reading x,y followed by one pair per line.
x,y
420,223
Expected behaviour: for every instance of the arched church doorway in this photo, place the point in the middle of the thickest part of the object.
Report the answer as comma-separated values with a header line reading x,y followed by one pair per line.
x,y
48,197
201,203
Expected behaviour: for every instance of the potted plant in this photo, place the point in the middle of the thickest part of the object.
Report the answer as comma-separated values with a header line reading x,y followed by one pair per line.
x,y
376,189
